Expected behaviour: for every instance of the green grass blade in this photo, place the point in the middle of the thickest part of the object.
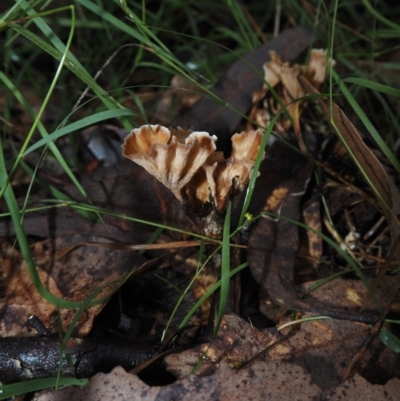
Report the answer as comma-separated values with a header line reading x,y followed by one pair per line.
x,y
23,241
380,17
375,86
390,340
256,168
78,125
367,123
79,71
225,268
18,95
41,111
47,31
12,390
248,38
72,62
209,292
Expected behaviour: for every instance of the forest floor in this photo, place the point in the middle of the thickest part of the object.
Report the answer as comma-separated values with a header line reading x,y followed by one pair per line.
x,y
199,201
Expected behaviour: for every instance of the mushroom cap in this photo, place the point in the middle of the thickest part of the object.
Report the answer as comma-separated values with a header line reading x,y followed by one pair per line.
x,y
231,176
169,159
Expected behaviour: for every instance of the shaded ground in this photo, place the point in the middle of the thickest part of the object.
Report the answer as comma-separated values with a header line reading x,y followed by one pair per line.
x,y
318,232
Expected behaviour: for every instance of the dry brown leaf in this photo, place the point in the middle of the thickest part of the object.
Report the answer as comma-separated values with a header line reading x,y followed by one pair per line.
x,y
273,245
357,388
74,277
323,348
262,381
238,83
21,299
236,342
350,294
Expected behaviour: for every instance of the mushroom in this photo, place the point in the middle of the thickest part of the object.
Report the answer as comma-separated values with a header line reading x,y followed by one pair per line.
x,y
231,176
187,163
172,159
315,70
284,79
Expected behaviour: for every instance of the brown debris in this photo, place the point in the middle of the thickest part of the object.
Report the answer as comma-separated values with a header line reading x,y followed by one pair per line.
x,y
283,78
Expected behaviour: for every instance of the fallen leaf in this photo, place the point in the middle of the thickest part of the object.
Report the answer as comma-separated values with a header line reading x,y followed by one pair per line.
x,y
236,342
350,294
261,381
357,388
74,277
324,348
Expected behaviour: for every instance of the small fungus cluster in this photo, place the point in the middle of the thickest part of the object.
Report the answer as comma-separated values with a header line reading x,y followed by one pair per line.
x,y
283,78
190,166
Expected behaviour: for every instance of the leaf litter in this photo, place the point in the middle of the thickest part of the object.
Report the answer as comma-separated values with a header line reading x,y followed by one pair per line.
x,y
284,260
